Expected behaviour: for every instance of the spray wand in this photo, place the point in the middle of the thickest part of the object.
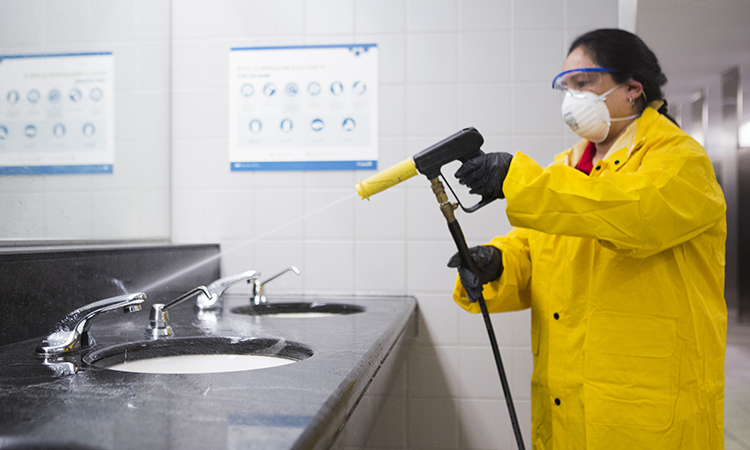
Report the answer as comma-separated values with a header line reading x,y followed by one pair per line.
x,y
461,146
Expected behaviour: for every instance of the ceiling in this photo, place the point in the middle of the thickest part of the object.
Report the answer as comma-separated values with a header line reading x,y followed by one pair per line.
x,y
696,40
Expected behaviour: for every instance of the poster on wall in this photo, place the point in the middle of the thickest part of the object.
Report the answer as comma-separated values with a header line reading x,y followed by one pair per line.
x,y
303,108
57,113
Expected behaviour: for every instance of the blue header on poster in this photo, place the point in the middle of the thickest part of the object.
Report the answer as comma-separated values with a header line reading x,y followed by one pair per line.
x,y
56,170
365,47
303,165
52,55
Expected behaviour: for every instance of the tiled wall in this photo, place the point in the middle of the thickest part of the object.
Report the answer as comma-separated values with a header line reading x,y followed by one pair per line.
x,y
133,202
444,64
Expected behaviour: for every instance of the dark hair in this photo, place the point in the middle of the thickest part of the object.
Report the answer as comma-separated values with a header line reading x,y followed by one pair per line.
x,y
629,57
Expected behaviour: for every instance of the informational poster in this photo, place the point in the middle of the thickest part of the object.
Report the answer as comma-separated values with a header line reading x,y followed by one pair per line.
x,y
56,114
303,108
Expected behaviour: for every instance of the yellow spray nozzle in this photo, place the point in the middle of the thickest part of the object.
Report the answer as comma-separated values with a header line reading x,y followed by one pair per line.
x,y
387,178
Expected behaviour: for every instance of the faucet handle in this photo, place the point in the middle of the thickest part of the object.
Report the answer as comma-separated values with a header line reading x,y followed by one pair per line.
x,y
72,333
258,287
158,318
216,289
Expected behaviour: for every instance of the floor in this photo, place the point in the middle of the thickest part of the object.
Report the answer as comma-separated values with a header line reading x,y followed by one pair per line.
x,y
737,392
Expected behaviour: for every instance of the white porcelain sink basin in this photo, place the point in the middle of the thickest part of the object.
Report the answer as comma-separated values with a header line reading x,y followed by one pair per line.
x,y
194,355
201,364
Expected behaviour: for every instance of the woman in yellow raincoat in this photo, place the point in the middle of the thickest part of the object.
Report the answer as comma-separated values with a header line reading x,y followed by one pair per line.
x,y
618,249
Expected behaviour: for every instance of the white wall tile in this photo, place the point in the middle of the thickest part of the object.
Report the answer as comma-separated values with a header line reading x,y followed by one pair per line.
x,y
538,14
217,63
392,106
433,372
279,214
381,216
431,15
538,56
591,14
188,65
438,320
379,267
389,430
153,65
23,215
329,16
153,217
486,425
112,214
229,216
126,65
329,214
344,179
21,23
236,257
479,377
273,257
152,120
391,56
485,107
485,15
188,19
380,16
485,57
199,114
231,18
328,267
536,109
67,214
66,22
431,58
426,266
185,203
432,110
392,151
153,19
433,423
113,20
281,17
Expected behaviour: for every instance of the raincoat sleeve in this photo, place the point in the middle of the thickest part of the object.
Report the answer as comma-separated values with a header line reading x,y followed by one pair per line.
x,y
511,291
671,198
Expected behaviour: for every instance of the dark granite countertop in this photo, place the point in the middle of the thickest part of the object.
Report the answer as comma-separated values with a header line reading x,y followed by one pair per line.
x,y
300,405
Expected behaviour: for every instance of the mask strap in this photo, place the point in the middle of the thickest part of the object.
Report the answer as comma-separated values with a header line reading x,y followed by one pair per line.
x,y
618,119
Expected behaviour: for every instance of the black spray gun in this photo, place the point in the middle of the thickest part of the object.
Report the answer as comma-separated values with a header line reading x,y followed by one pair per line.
x,y
462,146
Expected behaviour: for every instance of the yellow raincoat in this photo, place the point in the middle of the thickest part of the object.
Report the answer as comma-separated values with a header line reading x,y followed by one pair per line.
x,y
624,272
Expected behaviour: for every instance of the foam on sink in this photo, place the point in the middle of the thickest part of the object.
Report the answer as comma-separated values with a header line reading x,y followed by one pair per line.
x,y
184,364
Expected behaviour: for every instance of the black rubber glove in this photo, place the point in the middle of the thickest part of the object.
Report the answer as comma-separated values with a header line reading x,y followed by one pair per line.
x,y
485,174
489,261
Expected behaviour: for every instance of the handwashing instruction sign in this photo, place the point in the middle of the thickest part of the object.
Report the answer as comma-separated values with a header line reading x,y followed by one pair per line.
x,y
56,113
303,107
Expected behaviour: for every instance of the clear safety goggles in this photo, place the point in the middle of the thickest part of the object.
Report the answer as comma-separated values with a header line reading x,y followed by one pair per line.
x,y
587,79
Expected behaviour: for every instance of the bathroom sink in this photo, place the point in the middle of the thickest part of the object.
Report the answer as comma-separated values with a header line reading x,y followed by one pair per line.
x,y
299,309
198,355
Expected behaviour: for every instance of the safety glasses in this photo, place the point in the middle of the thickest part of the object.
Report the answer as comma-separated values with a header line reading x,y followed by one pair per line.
x,y
580,79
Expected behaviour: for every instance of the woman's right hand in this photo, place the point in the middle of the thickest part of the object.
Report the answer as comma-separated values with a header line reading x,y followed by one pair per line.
x,y
485,174
489,262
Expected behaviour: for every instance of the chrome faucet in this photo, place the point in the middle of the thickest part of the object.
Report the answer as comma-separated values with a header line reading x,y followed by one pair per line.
x,y
213,298
259,296
72,332
158,319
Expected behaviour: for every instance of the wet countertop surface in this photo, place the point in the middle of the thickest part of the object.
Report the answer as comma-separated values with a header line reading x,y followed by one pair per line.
x,y
298,405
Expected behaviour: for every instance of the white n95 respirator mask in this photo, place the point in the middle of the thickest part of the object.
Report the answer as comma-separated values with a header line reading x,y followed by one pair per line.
x,y
587,115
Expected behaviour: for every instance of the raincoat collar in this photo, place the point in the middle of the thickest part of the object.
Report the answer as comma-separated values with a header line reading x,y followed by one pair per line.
x,y
624,146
